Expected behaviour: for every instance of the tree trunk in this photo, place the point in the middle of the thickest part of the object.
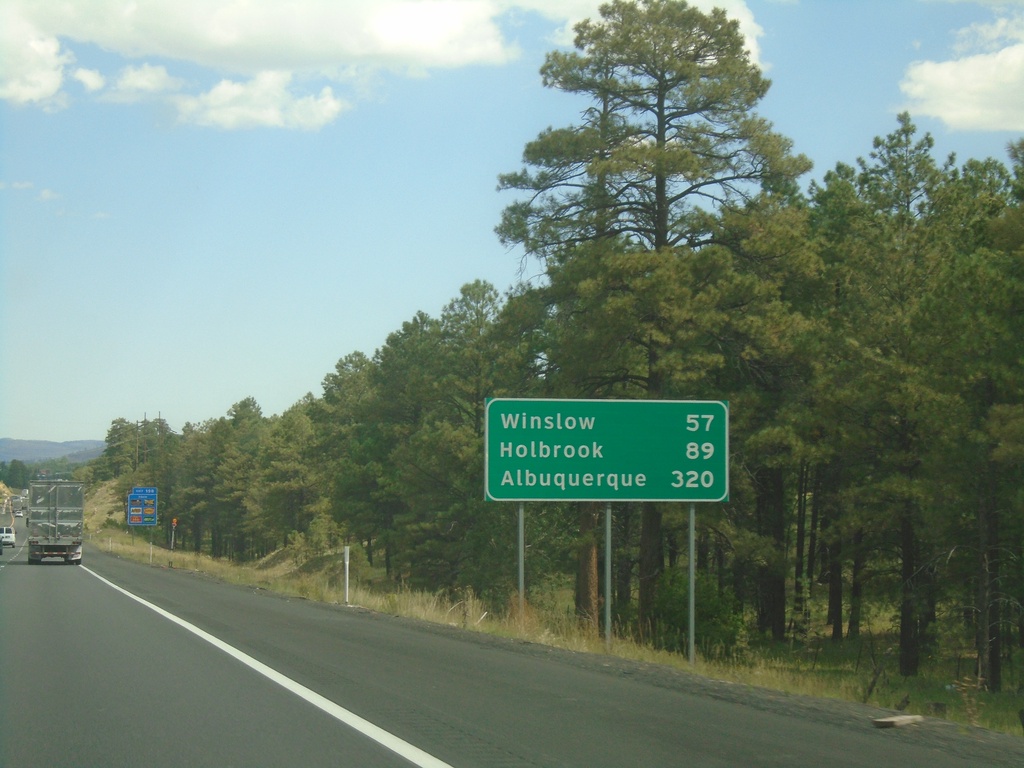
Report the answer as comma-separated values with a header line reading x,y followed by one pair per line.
x,y
624,563
910,635
652,564
856,585
982,598
826,514
672,547
995,658
835,587
587,601
1017,555
812,538
995,661
988,640
799,609
216,549
771,524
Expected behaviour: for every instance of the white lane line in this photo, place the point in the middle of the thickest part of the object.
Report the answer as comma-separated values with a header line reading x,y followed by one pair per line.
x,y
414,755
14,553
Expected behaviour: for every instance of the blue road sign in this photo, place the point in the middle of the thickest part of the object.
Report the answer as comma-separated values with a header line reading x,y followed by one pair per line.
x,y
142,506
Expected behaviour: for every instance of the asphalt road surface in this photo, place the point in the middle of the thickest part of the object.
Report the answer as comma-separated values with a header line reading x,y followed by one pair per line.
x,y
115,663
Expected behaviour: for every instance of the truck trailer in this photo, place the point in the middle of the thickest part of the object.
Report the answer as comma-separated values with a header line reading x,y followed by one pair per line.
x,y
56,521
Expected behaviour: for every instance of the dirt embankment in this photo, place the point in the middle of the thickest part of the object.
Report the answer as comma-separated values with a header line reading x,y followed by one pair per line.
x,y
102,502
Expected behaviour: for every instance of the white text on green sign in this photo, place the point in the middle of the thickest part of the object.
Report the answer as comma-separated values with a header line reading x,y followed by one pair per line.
x,y
606,450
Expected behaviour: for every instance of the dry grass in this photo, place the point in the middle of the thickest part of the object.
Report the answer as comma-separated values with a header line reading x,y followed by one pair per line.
x,y
819,668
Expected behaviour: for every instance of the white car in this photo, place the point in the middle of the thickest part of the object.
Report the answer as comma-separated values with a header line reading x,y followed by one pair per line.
x,y
7,536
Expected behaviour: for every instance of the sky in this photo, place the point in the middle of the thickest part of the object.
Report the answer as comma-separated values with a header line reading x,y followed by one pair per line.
x,y
203,201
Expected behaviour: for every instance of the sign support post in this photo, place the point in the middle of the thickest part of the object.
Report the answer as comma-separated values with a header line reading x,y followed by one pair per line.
x,y
693,573
608,576
346,573
522,564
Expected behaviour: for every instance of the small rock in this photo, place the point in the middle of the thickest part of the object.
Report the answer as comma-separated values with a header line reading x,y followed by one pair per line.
x,y
897,721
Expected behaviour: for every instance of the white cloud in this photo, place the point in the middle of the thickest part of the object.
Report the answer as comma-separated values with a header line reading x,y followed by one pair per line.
x,y
31,61
90,78
445,33
250,37
574,11
146,79
982,88
330,41
989,37
265,50
264,101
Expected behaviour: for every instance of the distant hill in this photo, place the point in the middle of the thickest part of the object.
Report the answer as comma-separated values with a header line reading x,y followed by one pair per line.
x,y
31,451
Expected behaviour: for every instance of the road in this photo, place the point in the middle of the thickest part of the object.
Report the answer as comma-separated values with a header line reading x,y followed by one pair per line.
x,y
207,674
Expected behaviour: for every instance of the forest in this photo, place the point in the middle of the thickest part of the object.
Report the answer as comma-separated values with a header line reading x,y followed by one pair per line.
x,y
866,328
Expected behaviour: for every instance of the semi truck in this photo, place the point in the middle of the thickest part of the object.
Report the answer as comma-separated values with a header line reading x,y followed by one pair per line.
x,y
56,521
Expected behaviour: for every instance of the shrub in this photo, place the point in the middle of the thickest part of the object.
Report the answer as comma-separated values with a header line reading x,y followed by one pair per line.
x,y
718,620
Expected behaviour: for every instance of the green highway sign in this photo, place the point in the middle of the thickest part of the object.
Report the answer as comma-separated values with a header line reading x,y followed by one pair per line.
x,y
606,450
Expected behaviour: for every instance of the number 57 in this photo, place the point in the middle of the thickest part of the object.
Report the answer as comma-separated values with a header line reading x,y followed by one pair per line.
x,y
693,422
